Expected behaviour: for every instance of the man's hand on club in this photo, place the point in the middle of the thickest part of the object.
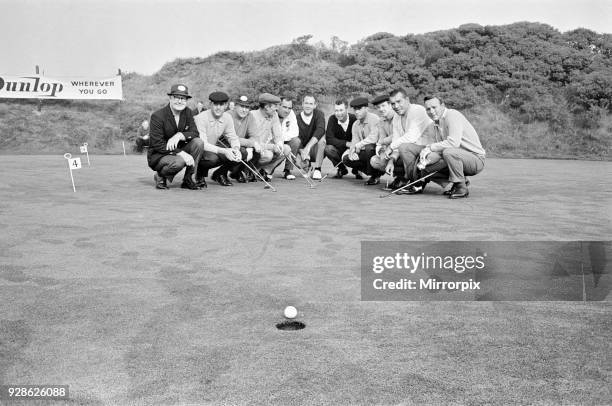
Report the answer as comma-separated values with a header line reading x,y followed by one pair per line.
x,y
174,140
424,152
186,157
229,154
390,167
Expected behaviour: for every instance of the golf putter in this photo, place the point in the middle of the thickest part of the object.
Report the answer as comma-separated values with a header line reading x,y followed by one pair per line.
x,y
310,184
327,174
268,186
408,185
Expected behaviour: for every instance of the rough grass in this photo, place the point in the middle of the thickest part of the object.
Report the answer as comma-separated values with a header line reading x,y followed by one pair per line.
x,y
63,126
134,296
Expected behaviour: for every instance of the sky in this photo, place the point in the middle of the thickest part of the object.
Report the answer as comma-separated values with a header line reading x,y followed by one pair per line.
x,y
95,38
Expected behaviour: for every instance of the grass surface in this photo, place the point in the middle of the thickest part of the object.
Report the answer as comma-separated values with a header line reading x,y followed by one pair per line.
x,y
134,296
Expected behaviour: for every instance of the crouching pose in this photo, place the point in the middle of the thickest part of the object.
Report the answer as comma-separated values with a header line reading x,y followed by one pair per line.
x,y
221,145
250,147
339,135
175,142
455,153
273,148
386,159
363,143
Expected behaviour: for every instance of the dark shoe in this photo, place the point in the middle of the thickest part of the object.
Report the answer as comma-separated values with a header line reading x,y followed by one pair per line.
x,y
189,184
357,174
221,179
160,182
452,189
250,177
412,190
460,191
265,175
397,183
201,183
374,180
226,180
239,177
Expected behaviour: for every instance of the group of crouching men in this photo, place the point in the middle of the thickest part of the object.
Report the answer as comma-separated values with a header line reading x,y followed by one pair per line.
x,y
407,141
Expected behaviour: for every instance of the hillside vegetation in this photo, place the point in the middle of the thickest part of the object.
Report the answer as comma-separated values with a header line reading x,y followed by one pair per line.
x,y
530,90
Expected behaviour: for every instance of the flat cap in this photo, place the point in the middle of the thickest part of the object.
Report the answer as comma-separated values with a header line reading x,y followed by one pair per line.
x,y
179,90
243,101
268,98
358,102
218,97
380,99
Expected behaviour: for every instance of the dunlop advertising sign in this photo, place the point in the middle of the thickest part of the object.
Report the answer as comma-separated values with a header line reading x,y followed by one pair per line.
x,y
43,87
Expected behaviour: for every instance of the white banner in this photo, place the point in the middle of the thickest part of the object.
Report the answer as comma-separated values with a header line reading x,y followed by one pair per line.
x,y
42,87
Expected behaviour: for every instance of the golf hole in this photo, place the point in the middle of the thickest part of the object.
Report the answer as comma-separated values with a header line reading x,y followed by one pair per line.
x,y
290,325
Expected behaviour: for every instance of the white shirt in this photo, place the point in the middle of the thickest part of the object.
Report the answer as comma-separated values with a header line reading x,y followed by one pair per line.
x,y
289,126
344,124
410,126
307,119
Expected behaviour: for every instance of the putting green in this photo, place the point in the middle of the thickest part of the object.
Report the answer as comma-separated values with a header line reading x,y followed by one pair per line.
x,y
132,295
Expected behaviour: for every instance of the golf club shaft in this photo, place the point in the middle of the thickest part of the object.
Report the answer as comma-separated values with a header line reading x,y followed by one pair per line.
x,y
251,169
335,167
409,184
299,170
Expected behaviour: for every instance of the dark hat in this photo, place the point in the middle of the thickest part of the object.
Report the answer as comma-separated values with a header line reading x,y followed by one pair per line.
x,y
218,97
243,101
358,102
380,99
268,98
179,90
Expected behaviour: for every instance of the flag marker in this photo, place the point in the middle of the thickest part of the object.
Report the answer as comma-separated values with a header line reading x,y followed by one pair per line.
x,y
84,151
73,163
123,143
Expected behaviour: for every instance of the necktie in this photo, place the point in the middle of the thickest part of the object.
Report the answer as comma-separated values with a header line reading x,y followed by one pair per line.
x,y
438,131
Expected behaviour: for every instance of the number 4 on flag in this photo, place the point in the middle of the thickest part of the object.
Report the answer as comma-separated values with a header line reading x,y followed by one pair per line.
x,y
75,163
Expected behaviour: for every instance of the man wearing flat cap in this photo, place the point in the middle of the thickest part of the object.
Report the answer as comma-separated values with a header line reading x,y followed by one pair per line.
x,y
246,130
381,162
174,141
221,145
273,149
363,143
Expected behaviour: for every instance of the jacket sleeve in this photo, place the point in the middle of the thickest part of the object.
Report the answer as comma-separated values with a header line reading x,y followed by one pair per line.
x,y
191,129
157,135
319,130
330,134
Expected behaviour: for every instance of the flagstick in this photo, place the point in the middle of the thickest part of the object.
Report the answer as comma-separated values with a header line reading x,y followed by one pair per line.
x,y
68,156
123,143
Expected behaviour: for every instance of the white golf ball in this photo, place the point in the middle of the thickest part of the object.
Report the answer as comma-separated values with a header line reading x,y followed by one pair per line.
x,y
290,312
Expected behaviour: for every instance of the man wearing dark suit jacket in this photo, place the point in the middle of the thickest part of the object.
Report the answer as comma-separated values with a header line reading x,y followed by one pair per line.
x,y
338,135
175,141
